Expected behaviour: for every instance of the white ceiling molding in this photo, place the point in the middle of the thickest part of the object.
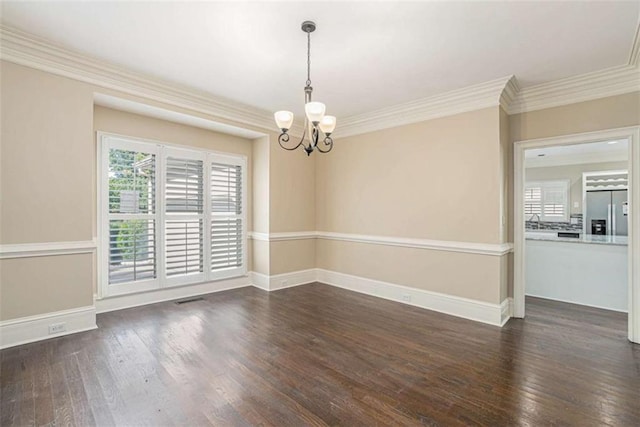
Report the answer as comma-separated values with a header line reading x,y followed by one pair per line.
x,y
25,49
471,98
586,87
122,104
634,56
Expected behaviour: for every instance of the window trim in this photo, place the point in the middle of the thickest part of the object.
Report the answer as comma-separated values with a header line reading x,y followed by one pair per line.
x,y
105,141
544,184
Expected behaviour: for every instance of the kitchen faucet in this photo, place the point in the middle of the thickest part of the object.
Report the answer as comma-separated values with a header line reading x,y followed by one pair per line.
x,y
537,222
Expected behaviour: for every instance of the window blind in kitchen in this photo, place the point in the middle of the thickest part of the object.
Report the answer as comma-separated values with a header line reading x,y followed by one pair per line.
x,y
547,199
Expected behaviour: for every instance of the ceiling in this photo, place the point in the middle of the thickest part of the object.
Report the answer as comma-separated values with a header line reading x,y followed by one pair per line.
x,y
595,152
365,55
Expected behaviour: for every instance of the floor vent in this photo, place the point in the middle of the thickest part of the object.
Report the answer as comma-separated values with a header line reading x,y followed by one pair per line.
x,y
185,301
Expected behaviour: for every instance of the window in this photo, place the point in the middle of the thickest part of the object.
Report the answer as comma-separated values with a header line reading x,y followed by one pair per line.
x,y
169,216
548,200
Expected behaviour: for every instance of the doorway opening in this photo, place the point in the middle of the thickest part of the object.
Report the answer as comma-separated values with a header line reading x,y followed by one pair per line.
x,y
576,231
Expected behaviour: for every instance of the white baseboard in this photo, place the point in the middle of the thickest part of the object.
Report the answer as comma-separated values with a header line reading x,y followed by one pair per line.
x,y
601,307
167,294
506,311
25,330
260,280
480,311
35,328
284,280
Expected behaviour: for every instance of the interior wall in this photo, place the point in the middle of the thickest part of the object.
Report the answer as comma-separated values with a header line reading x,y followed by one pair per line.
x,y
47,169
438,180
506,157
589,116
573,173
292,177
135,125
48,181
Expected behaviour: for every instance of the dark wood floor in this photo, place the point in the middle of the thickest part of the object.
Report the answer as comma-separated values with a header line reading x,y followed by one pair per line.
x,y
319,355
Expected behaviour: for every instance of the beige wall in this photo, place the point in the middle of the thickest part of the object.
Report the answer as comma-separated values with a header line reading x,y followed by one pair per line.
x,y
574,174
605,113
32,286
292,178
292,255
434,271
440,179
48,182
48,160
260,155
47,186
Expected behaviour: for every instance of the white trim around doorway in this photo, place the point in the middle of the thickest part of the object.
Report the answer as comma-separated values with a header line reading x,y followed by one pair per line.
x,y
632,134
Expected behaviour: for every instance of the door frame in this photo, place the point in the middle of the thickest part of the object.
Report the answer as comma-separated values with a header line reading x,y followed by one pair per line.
x,y
632,134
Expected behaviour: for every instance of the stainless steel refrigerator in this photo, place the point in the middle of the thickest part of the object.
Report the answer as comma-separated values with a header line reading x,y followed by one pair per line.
x,y
607,212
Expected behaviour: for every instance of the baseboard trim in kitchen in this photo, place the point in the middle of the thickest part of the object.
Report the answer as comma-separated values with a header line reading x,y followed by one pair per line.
x,y
577,303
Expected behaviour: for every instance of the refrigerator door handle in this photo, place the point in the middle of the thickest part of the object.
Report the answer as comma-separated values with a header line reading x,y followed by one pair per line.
x,y
613,219
609,219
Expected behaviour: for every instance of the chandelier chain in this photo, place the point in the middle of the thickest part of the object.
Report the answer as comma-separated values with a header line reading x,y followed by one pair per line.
x,y
308,59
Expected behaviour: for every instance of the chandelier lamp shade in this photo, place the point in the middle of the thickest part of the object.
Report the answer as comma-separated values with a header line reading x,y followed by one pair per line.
x,y
315,121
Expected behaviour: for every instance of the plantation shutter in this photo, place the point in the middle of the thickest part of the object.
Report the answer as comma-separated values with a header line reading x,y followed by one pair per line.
x,y
548,199
555,202
129,205
184,206
227,242
168,216
532,201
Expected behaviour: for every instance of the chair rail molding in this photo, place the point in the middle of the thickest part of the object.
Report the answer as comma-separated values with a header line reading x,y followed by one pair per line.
x,y
493,249
30,250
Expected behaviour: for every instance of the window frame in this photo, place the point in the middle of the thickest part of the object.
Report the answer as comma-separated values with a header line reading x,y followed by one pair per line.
x,y
544,186
162,150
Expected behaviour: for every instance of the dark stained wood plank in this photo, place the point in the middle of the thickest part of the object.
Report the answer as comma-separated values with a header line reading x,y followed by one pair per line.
x,y
319,355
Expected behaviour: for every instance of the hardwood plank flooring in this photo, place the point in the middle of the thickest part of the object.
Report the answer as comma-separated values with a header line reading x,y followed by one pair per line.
x,y
319,355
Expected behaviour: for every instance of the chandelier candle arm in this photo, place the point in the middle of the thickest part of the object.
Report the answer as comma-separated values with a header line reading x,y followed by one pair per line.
x,y
315,119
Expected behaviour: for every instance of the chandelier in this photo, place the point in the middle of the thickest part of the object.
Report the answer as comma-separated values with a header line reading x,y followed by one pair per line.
x,y
315,120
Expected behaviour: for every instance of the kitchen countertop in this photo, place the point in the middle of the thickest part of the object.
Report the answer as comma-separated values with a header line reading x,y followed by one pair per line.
x,y
552,236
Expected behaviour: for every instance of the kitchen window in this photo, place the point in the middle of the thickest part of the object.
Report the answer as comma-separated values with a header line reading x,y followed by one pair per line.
x,y
169,216
547,201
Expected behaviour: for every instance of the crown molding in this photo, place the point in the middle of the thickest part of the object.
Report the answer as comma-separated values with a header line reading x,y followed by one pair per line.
x,y
634,55
26,49
488,94
585,87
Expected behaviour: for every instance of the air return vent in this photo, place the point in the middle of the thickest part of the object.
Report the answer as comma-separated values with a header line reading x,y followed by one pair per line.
x,y
185,301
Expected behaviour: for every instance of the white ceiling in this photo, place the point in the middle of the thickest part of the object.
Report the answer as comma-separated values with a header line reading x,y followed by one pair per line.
x,y
595,152
365,55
